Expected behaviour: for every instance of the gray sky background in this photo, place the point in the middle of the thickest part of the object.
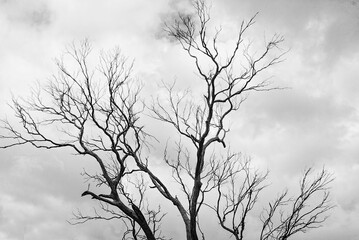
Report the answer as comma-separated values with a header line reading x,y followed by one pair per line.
x,y
313,123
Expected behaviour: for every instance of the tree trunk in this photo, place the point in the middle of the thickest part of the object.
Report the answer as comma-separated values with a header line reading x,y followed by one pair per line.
x,y
143,223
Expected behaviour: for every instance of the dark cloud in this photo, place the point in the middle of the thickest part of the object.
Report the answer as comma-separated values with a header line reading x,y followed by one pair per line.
x,y
2,217
40,17
27,13
291,129
325,30
170,15
44,189
302,109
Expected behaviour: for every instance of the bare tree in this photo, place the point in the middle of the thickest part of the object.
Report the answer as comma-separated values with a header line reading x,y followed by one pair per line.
x,y
302,215
100,119
95,119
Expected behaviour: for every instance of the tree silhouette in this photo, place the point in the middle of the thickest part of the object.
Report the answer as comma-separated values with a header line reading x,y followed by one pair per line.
x,y
96,112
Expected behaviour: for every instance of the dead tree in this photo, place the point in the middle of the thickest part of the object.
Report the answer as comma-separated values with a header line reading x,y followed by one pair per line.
x,y
96,114
97,119
301,213
203,121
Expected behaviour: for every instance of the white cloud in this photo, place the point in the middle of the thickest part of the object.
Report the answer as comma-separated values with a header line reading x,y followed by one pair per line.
x,y
313,123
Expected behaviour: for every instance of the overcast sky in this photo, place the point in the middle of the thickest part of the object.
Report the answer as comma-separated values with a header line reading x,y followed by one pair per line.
x,y
315,122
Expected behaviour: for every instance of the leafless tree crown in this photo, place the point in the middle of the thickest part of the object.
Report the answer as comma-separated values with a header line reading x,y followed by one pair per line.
x,y
96,111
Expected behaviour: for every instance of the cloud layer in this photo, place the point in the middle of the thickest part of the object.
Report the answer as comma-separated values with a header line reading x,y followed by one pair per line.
x,y
313,122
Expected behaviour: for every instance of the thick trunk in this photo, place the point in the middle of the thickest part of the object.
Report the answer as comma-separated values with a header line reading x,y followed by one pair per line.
x,y
195,193
193,209
146,229
188,231
143,223
185,218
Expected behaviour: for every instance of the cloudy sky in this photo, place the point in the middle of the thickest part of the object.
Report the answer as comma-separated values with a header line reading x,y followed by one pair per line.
x,y
314,122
